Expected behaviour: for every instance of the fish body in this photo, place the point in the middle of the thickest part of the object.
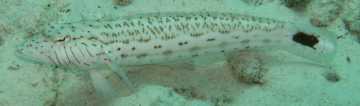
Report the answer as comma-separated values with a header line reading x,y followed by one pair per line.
x,y
162,38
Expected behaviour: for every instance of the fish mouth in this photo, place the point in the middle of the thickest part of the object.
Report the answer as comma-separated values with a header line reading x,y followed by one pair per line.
x,y
20,50
21,53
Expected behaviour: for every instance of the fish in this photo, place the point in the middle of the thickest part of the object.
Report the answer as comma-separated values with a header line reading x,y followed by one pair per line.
x,y
159,38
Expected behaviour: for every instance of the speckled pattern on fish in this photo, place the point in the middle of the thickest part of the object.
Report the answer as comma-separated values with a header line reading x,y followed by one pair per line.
x,y
155,38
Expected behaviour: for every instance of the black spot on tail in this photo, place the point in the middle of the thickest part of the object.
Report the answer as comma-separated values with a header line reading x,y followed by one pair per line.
x,y
305,39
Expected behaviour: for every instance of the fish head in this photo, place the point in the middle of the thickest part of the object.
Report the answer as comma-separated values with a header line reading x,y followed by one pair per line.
x,y
36,49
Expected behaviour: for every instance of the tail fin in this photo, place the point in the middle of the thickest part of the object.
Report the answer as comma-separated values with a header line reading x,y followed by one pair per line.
x,y
313,43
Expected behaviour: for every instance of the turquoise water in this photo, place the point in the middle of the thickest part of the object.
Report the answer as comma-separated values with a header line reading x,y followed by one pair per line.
x,y
179,53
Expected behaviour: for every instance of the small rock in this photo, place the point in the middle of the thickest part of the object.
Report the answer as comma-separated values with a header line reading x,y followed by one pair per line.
x,y
222,100
247,67
122,2
324,12
257,2
353,26
297,5
14,67
189,92
351,19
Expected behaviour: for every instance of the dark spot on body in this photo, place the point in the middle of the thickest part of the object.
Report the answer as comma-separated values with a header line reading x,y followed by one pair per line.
x,y
332,77
306,39
196,34
195,48
195,55
133,48
107,59
340,37
180,43
266,40
118,49
210,39
167,52
245,41
142,55
87,64
124,55
108,26
109,52
74,38
67,10
185,42
224,31
93,44
236,37
126,42
99,54
157,46
122,2
348,59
